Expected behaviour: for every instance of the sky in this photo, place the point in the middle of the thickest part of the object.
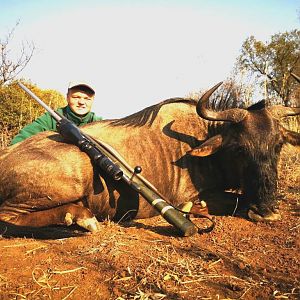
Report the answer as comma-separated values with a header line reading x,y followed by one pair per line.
x,y
138,53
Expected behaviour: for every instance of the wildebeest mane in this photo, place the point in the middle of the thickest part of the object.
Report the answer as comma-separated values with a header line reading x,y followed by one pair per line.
x,y
148,114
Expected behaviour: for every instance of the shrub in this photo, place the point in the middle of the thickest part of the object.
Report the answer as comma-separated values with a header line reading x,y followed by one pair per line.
x,y
19,109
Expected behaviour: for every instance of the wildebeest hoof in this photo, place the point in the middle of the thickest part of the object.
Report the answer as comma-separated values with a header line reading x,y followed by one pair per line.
x,y
270,217
68,219
186,207
91,224
203,204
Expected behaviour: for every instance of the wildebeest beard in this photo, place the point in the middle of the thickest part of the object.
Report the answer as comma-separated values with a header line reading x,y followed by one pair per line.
x,y
245,166
260,182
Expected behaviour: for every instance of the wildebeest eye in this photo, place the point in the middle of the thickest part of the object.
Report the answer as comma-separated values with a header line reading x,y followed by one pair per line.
x,y
241,151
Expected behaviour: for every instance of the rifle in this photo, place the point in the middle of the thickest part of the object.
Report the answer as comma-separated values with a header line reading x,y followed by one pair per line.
x,y
102,157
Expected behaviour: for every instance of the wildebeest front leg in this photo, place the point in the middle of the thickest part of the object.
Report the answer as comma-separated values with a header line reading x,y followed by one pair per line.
x,y
67,214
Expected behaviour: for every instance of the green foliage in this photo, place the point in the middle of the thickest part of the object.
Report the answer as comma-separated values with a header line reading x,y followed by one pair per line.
x,y
272,62
19,109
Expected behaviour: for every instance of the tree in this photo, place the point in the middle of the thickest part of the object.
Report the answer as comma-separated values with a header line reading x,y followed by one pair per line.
x,y
19,109
272,62
11,67
232,93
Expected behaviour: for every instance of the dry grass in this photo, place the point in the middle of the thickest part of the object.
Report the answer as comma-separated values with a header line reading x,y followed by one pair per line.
x,y
134,262
289,166
145,260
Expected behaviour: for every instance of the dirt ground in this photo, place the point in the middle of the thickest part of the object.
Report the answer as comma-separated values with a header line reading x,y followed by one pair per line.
x,y
146,259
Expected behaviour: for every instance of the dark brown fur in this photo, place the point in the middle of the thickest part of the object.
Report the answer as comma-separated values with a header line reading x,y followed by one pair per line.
x,y
45,181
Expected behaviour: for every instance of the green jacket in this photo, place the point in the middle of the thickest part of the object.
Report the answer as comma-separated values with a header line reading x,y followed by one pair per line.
x,y
46,122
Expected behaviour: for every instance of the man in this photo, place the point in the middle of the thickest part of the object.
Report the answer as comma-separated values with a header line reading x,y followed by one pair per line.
x,y
80,98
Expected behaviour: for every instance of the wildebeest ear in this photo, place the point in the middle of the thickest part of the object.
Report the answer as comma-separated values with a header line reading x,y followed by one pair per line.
x,y
209,147
291,137
259,105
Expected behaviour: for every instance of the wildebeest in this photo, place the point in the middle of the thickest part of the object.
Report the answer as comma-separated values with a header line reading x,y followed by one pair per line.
x,y
183,147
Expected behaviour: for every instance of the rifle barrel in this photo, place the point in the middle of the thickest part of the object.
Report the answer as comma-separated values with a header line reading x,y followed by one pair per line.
x,y
56,116
86,144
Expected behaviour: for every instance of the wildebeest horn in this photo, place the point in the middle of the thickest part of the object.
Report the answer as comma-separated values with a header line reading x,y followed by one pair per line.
x,y
279,111
232,115
296,77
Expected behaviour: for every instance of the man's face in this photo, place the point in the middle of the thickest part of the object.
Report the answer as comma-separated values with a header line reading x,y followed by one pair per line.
x,y
80,101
